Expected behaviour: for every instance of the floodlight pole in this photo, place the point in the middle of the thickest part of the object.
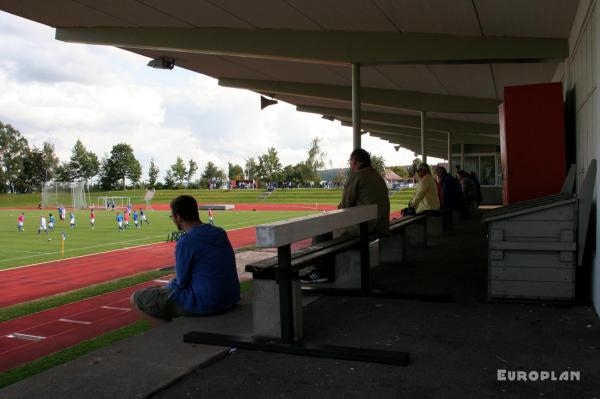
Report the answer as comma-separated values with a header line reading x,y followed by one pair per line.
x,y
356,117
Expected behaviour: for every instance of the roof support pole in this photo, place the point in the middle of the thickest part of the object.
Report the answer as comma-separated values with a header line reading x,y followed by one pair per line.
x,y
462,156
423,152
356,117
450,152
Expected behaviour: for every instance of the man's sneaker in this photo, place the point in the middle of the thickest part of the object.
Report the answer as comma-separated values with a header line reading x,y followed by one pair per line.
x,y
313,277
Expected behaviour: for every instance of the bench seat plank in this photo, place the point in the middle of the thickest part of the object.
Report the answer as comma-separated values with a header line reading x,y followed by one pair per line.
x,y
264,264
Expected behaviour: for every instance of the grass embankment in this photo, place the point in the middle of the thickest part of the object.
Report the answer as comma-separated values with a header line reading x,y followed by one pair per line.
x,y
37,366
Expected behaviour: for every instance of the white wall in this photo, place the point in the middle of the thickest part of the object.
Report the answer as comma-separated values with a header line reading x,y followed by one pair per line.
x,y
582,76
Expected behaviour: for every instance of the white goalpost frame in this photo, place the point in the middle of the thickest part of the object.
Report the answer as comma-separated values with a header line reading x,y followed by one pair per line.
x,y
148,198
64,194
121,202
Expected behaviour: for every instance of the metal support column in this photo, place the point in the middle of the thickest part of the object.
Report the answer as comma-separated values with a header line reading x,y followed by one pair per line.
x,y
450,152
356,117
462,156
423,151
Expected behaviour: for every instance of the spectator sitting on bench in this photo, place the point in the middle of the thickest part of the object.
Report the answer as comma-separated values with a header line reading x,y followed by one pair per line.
x,y
426,199
365,186
451,191
469,190
206,280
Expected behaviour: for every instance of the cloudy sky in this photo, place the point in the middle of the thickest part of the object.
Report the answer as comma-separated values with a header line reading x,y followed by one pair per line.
x,y
58,92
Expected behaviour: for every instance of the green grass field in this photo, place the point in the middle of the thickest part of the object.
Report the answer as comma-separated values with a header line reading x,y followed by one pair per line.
x,y
30,247
295,196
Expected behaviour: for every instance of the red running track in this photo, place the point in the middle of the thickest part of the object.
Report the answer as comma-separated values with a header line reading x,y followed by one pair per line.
x,y
42,280
31,337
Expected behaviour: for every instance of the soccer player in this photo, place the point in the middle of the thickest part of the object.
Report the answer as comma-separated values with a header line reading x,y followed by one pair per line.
x,y
72,219
64,213
42,225
143,217
50,222
135,219
120,221
92,219
211,219
126,219
60,213
20,222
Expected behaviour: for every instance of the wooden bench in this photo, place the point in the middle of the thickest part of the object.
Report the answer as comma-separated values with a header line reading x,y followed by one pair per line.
x,y
277,297
277,304
266,269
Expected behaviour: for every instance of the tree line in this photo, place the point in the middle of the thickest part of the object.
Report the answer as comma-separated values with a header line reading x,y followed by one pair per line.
x,y
25,168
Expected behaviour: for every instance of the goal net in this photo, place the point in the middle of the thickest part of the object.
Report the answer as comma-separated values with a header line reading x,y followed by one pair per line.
x,y
119,202
64,194
148,198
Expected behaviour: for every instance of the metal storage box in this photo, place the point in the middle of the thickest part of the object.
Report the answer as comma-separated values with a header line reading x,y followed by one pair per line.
x,y
533,249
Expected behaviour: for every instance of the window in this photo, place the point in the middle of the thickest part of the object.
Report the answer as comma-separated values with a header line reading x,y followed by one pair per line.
x,y
488,170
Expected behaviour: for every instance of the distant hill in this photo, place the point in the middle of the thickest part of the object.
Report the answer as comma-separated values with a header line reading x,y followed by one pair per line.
x,y
329,174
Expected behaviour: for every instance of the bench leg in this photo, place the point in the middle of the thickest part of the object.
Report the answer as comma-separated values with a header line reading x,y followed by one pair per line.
x,y
266,310
349,273
416,235
435,226
391,248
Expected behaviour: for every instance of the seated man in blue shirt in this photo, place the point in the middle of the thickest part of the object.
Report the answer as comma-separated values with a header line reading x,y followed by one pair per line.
x,y
206,280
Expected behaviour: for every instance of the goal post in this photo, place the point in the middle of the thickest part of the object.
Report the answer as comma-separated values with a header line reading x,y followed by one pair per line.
x,y
64,194
107,202
148,198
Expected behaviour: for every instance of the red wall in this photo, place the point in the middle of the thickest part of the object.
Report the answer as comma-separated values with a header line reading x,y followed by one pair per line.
x,y
532,141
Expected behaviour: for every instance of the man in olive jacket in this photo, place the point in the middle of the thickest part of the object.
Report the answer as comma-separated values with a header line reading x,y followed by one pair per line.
x,y
365,186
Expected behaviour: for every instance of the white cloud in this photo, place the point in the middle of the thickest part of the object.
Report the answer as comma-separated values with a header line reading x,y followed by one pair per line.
x,y
59,92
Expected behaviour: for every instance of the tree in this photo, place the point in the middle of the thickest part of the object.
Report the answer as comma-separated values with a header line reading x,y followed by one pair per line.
x,y
13,149
413,168
120,165
33,175
152,173
250,170
169,179
314,162
49,161
211,174
401,171
192,169
84,164
269,167
235,172
340,177
178,172
378,163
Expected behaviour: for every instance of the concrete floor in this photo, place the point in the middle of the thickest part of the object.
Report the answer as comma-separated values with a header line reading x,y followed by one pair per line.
x,y
457,342
456,346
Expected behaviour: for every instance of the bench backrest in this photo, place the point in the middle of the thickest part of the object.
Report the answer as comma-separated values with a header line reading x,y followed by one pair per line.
x,y
292,230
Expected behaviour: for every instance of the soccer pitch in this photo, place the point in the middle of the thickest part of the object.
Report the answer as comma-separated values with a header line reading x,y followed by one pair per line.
x,y
29,247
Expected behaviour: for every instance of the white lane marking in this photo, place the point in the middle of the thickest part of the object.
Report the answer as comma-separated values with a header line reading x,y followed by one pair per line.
x,y
161,281
115,308
75,321
26,337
